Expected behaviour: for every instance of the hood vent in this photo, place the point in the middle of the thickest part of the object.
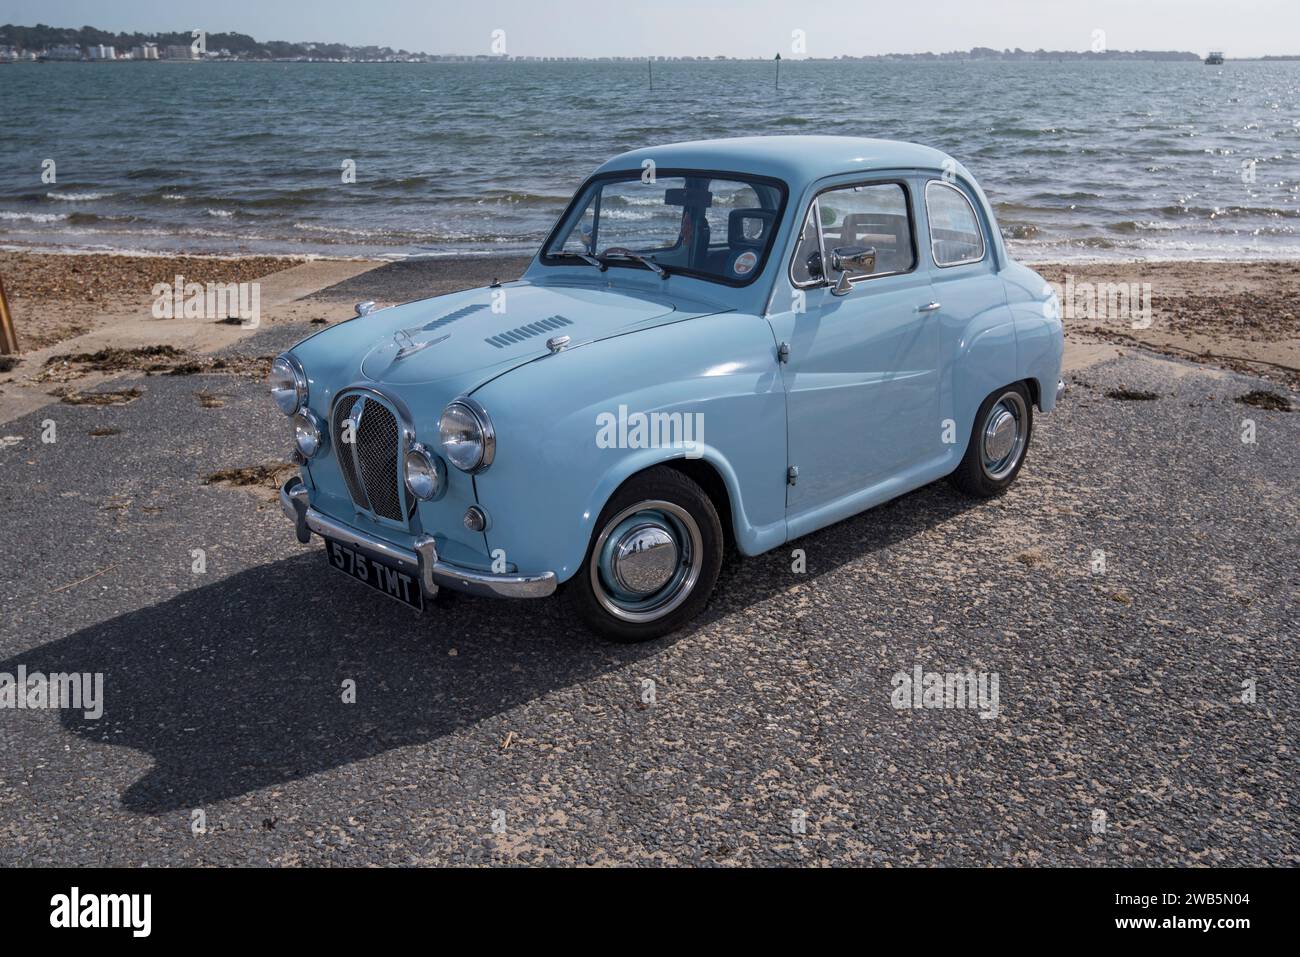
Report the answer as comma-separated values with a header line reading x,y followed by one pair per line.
x,y
451,317
519,334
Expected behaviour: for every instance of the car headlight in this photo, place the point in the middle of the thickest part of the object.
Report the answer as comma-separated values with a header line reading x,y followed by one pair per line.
x,y
424,473
288,384
468,440
308,435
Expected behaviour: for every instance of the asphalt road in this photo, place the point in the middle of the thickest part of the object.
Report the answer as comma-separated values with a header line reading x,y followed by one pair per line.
x,y
1119,691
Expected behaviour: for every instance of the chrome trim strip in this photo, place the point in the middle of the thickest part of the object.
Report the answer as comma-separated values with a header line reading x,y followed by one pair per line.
x,y
359,410
434,573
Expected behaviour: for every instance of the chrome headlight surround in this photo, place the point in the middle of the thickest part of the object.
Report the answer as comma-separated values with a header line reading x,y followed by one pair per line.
x,y
309,434
423,472
288,383
468,440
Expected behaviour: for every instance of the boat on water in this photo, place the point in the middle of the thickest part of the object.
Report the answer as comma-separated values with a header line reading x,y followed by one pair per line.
x,y
1214,59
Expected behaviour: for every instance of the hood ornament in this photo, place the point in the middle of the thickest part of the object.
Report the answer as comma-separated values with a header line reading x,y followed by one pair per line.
x,y
407,346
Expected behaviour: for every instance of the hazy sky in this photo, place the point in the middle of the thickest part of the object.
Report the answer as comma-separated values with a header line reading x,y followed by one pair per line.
x,y
705,27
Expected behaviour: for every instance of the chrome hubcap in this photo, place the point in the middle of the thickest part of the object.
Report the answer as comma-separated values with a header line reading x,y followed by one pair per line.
x,y
1004,435
1000,435
646,561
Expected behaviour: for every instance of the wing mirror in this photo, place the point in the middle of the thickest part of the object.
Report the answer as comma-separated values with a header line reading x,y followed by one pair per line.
x,y
851,261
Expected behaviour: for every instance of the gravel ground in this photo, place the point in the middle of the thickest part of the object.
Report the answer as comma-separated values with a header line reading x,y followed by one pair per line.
x,y
1119,690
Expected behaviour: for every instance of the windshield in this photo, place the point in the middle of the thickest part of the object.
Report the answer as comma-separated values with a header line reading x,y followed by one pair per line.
x,y
712,225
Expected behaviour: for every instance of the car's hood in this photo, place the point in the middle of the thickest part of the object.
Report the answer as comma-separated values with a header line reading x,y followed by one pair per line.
x,y
475,335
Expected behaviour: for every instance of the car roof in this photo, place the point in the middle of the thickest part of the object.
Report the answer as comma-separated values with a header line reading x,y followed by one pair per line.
x,y
796,159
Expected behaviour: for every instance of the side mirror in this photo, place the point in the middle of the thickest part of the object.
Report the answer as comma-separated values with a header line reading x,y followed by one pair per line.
x,y
850,261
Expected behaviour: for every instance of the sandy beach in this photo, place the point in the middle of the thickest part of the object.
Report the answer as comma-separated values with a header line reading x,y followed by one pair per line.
x,y
84,319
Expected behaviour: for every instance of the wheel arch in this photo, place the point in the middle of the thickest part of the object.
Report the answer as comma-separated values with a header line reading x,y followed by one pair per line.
x,y
710,470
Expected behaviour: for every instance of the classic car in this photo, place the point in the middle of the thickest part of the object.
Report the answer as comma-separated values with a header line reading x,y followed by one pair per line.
x,y
722,344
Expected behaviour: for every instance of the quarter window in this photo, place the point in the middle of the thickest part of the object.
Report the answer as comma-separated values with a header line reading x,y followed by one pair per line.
x,y
955,235
807,265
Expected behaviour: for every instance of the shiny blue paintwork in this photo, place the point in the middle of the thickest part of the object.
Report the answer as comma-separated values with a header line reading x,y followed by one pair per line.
x,y
861,407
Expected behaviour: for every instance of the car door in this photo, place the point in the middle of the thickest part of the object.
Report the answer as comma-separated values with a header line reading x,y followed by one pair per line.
x,y
861,368
972,323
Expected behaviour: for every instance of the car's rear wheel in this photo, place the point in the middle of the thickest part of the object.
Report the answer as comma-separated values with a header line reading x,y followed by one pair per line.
x,y
998,443
652,561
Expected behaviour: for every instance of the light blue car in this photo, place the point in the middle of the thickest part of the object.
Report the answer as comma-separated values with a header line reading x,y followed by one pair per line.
x,y
728,342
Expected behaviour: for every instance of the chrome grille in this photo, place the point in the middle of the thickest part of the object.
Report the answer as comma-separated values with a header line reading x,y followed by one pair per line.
x,y
370,464
343,450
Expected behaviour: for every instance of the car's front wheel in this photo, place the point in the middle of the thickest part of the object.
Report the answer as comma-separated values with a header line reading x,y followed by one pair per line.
x,y
653,560
998,443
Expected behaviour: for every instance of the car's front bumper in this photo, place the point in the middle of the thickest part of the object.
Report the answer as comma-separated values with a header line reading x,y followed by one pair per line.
x,y
433,572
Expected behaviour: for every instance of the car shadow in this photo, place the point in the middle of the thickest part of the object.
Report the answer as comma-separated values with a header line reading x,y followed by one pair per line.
x,y
239,685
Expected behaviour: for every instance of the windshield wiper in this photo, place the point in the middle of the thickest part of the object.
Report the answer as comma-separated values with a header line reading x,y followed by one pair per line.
x,y
650,264
585,257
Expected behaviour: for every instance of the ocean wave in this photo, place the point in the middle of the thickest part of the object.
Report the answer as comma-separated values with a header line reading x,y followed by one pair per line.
x,y
1133,226
340,234
1020,230
33,217
78,197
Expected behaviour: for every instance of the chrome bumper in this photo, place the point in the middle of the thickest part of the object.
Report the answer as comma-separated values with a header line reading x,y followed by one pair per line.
x,y
433,572
1060,389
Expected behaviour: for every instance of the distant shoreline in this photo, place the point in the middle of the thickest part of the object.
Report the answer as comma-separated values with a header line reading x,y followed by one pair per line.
x,y
641,61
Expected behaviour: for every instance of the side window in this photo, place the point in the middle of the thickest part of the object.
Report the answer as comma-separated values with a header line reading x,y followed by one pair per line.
x,y
806,268
874,215
955,235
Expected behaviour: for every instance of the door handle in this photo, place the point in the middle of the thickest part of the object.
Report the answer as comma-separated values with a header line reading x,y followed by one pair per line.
x,y
930,306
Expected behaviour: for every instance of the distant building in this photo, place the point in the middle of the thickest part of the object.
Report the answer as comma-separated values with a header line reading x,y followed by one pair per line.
x,y
147,51
179,53
63,53
102,52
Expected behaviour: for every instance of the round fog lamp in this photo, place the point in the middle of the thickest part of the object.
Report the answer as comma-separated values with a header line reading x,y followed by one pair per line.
x,y
307,434
423,476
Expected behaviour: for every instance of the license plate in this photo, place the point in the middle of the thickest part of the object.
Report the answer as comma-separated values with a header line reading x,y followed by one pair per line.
x,y
392,580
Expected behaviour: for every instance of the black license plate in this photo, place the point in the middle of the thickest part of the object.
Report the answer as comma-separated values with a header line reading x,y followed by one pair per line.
x,y
383,576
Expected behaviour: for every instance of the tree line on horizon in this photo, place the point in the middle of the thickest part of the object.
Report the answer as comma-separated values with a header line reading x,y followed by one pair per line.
x,y
42,37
